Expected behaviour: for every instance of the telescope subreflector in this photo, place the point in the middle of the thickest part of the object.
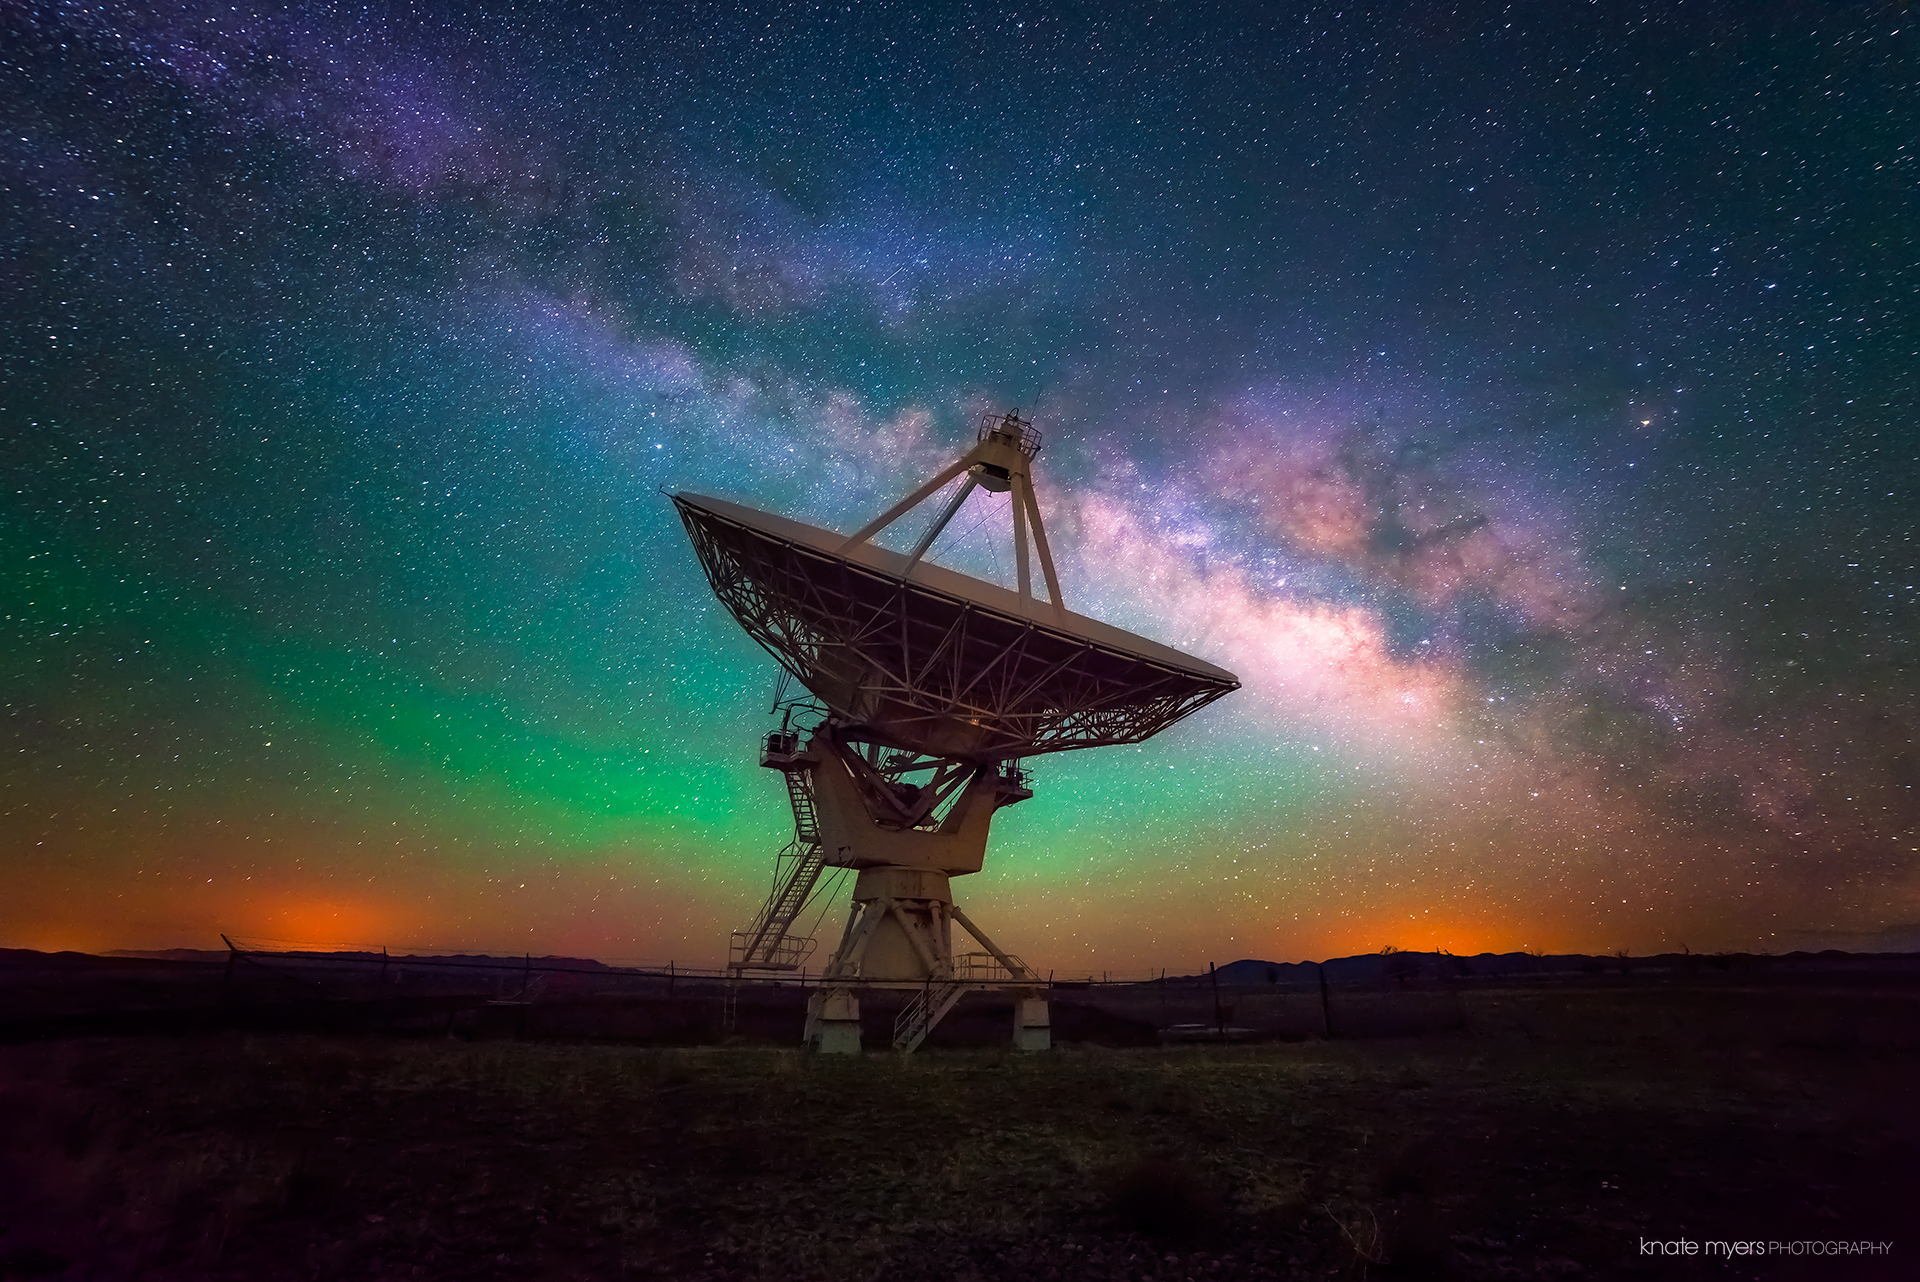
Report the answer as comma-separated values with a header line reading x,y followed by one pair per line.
x,y
931,686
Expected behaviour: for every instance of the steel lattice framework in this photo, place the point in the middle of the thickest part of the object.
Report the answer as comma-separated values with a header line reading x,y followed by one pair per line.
x,y
908,664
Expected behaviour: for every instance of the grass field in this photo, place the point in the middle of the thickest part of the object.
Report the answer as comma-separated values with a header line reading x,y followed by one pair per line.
x,y
1543,1144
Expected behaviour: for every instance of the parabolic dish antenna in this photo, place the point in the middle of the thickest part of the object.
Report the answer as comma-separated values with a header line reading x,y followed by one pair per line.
x,y
933,685
922,657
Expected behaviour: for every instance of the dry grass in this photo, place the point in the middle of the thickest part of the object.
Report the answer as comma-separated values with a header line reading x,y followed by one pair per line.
x,y
1544,1150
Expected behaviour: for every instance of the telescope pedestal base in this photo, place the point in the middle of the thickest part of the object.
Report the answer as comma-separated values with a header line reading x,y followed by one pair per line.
x,y
833,1022
1032,1024
900,938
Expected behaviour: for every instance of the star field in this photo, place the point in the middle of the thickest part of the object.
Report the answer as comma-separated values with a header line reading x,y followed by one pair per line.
x,y
1521,401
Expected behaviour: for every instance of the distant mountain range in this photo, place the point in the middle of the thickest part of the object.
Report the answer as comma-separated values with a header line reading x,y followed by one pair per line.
x,y
1367,968
515,961
1373,968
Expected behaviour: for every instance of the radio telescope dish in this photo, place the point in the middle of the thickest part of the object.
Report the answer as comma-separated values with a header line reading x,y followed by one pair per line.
x,y
934,685
922,657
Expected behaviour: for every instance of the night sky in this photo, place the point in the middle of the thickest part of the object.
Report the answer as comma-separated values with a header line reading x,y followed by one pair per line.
x,y
1523,401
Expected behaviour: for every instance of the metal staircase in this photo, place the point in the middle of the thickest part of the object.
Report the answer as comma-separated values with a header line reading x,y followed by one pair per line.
x,y
921,1015
806,824
765,944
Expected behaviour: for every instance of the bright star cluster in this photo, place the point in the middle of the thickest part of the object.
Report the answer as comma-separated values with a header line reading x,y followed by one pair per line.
x,y
1520,399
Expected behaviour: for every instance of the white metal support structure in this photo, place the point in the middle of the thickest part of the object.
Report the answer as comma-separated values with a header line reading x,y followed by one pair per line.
x,y
906,842
932,687
1000,462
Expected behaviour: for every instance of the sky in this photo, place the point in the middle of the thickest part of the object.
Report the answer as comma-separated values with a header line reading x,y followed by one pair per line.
x,y
1520,399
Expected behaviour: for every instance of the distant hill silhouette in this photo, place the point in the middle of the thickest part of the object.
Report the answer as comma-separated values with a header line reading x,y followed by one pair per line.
x,y
1383,967
514,961
1366,968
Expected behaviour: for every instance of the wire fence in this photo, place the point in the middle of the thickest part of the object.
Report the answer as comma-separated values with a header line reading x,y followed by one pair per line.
x,y
573,997
358,955
307,985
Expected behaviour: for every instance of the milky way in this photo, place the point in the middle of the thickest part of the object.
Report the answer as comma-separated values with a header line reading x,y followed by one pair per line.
x,y
1521,401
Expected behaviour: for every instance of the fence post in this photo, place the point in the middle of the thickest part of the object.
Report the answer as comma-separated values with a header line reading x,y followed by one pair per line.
x,y
670,979
1219,1015
1326,1007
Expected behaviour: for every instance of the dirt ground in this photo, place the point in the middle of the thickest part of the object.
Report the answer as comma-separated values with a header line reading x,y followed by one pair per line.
x,y
1545,1141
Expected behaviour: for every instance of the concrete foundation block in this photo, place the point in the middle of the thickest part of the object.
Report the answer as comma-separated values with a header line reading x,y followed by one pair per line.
x,y
833,1023
1032,1024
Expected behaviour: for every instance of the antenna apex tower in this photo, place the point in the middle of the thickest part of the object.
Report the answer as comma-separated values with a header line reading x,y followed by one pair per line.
x,y
1000,437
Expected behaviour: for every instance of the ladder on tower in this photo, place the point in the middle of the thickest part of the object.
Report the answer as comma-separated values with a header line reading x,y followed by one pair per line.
x,y
924,1013
806,822
766,943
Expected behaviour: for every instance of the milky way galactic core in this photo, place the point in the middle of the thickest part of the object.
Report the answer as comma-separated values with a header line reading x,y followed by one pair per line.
x,y
1520,401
